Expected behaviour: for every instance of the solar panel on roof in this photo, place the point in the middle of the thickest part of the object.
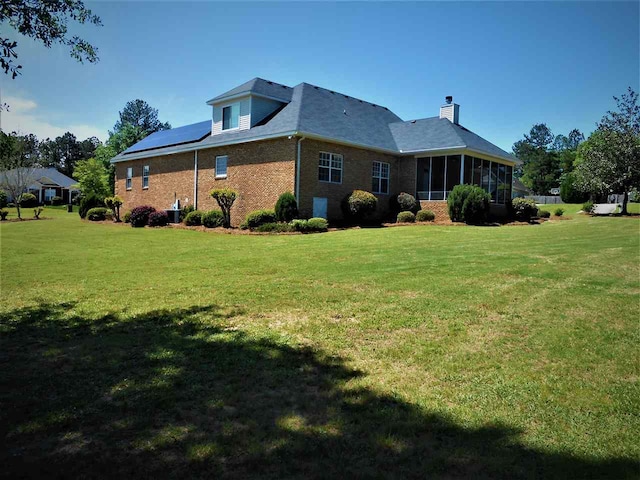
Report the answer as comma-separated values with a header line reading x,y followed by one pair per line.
x,y
175,136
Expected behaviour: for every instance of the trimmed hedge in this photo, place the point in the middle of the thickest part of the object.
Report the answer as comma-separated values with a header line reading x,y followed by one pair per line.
x,y
127,217
194,218
28,200
406,217
213,219
55,201
312,225
258,217
275,228
524,209
97,214
544,214
558,212
286,207
140,215
425,216
358,205
3,199
186,210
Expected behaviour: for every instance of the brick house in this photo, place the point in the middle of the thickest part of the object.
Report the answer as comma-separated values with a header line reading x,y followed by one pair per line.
x,y
265,139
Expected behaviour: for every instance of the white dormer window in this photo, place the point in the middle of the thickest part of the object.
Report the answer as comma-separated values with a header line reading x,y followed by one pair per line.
x,y
230,116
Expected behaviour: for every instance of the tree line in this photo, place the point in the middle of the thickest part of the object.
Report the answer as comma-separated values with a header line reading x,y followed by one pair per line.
x,y
607,162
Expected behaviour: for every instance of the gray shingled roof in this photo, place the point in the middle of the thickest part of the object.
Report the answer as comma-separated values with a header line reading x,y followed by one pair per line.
x,y
317,111
54,175
439,133
258,86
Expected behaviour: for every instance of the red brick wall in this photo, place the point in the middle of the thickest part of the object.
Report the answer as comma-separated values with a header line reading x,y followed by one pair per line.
x,y
259,171
356,174
439,208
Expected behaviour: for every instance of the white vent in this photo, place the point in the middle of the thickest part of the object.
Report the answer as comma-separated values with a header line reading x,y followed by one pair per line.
x,y
450,111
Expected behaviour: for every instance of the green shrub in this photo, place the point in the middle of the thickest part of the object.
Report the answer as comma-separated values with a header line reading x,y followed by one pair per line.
x,y
3,215
524,209
408,203
558,212
569,193
28,200
425,216
358,205
88,202
193,219
158,219
225,198
3,199
186,210
544,214
475,208
140,216
37,211
96,214
469,204
127,217
56,200
317,224
213,219
275,227
406,217
587,207
108,215
286,207
257,218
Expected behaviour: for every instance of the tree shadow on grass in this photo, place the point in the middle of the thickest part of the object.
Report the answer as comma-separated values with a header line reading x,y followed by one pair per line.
x,y
178,393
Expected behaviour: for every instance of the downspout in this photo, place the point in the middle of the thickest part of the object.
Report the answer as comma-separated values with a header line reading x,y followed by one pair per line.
x,y
195,180
298,172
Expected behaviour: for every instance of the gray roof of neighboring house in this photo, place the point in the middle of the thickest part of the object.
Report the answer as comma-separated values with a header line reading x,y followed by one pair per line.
x,y
258,86
519,186
317,111
54,175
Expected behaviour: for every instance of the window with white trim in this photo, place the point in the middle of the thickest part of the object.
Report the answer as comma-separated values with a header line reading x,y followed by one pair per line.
x,y
380,177
221,166
330,167
145,176
230,116
129,177
49,193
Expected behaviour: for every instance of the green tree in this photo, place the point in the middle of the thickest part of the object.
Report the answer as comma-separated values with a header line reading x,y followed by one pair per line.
x,y
45,22
140,114
609,161
93,178
17,163
225,198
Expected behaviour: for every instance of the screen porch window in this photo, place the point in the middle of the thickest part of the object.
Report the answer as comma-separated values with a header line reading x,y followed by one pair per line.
x,y
438,175
221,166
230,116
330,167
129,177
145,176
380,182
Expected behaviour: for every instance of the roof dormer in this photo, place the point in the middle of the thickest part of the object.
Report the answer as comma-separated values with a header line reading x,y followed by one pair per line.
x,y
247,105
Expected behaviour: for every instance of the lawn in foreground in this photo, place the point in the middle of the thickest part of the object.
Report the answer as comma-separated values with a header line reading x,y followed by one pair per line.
x,y
408,351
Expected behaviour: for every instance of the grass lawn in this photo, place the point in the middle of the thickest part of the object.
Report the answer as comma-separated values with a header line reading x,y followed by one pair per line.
x,y
407,352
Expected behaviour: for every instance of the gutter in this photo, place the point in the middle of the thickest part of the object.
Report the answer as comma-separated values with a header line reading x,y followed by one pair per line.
x,y
298,171
195,180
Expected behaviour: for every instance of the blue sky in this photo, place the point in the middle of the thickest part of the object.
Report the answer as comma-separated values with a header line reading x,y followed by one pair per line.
x,y
509,65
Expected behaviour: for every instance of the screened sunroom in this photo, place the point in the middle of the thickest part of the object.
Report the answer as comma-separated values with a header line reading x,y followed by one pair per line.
x,y
437,175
